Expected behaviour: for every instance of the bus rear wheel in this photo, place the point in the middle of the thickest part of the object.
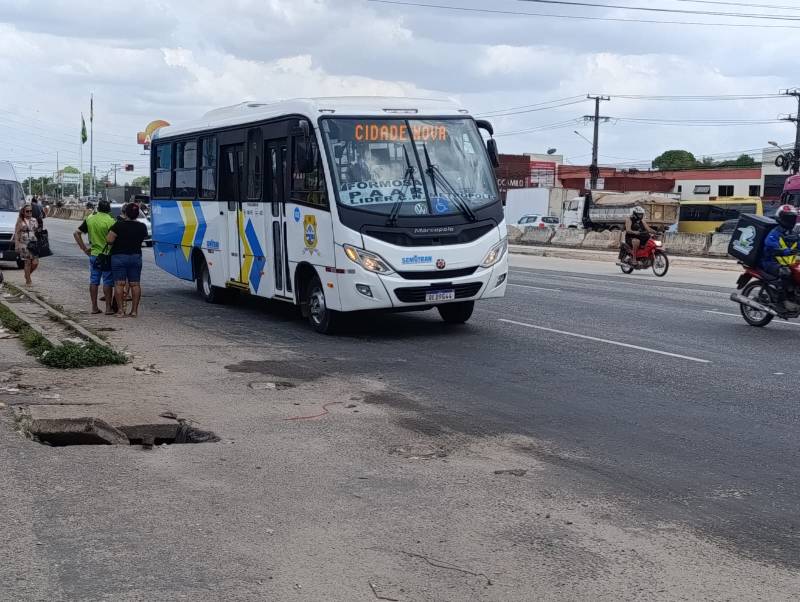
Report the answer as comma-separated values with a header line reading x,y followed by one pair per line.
x,y
322,319
456,313
209,293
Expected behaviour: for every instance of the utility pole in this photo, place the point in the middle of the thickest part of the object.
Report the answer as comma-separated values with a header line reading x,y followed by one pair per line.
x,y
91,141
594,170
796,120
114,167
30,180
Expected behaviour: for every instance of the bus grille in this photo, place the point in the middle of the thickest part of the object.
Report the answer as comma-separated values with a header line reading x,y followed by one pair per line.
x,y
403,239
416,294
438,275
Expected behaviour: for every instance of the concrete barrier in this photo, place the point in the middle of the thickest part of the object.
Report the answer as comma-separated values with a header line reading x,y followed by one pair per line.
x,y
537,236
687,244
514,234
718,246
602,240
568,237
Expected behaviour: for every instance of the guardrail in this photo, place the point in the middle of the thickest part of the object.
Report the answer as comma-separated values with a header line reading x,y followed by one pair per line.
x,y
76,213
700,245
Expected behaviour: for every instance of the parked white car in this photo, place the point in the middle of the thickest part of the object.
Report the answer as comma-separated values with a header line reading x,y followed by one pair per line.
x,y
530,222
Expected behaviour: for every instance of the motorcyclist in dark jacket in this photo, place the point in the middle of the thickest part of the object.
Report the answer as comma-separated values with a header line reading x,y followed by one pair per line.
x,y
780,251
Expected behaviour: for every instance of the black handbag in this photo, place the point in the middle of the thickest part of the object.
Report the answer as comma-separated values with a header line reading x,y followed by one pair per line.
x,y
43,244
102,262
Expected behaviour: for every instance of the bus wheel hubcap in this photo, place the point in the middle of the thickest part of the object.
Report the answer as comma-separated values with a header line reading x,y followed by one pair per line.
x,y
316,305
206,282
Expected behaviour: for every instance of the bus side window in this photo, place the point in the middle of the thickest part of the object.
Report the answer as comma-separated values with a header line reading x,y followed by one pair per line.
x,y
308,187
163,175
208,167
255,161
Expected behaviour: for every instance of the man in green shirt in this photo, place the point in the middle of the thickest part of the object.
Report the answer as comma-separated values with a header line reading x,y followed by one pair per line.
x,y
97,226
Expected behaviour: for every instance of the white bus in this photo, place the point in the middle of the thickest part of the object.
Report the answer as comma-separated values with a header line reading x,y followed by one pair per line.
x,y
334,204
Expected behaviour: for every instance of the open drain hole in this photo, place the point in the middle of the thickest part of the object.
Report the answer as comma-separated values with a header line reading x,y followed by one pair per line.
x,y
93,431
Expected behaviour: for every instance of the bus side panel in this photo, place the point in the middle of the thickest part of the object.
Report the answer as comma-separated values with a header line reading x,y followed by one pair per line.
x,y
178,227
213,241
309,238
167,229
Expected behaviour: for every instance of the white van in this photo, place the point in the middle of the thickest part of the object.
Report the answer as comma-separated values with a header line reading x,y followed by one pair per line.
x,y
12,198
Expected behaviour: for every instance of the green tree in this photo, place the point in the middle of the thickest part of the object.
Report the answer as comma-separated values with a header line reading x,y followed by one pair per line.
x,y
675,159
740,161
142,182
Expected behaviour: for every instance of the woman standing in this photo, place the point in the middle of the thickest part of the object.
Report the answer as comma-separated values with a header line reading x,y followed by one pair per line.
x,y
25,233
126,238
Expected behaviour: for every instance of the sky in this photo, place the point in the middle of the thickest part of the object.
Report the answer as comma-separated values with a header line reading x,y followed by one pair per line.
x,y
175,60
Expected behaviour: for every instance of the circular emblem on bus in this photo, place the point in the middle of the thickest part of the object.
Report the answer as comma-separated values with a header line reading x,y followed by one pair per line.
x,y
440,264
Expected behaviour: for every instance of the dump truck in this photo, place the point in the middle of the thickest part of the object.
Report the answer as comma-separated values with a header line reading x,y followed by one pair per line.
x,y
607,210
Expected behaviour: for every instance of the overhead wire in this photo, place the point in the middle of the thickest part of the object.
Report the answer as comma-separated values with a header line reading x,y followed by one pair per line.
x,y
655,9
578,17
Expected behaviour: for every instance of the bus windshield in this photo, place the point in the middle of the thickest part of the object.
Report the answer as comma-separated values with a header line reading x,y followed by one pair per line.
x,y
412,167
12,197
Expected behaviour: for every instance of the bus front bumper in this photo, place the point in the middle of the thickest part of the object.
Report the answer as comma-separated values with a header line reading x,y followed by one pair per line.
x,y
363,290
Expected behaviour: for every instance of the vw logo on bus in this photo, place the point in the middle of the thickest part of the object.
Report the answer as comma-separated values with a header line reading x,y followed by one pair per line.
x,y
440,264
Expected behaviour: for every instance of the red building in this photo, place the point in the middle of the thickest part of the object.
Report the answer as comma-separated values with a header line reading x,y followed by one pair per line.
x,y
575,177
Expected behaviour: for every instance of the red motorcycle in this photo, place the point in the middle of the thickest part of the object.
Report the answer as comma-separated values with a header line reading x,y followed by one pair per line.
x,y
762,296
650,255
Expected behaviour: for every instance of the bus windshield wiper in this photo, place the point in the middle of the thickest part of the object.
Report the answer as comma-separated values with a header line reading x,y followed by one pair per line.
x,y
435,173
398,203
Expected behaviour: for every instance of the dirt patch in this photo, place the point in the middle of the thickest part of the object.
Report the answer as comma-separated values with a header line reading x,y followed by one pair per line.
x,y
280,369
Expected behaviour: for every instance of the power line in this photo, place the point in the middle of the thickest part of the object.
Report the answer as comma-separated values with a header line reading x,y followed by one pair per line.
x,y
541,128
742,4
538,104
680,11
579,17
564,104
696,98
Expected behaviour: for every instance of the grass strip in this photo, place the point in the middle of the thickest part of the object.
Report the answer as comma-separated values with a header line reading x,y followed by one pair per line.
x,y
64,356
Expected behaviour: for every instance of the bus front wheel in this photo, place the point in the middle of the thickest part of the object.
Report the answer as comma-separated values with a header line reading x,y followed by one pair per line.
x,y
209,293
456,313
322,319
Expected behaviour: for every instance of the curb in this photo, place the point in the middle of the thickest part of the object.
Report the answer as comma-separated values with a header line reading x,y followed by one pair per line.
x,y
35,327
80,330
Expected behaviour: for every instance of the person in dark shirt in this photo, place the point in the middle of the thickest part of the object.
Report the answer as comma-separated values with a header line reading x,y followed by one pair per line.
x,y
126,238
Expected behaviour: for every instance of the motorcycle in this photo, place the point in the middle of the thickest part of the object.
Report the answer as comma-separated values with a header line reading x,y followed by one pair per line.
x,y
762,297
650,255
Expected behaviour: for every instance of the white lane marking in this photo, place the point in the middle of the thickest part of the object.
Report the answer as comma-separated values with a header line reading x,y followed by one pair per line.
x,y
609,342
723,313
602,279
538,288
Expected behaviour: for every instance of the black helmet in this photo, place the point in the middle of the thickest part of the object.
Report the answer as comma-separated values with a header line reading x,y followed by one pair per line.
x,y
786,216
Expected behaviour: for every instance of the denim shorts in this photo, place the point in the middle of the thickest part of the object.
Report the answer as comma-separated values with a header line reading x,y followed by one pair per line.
x,y
126,267
95,275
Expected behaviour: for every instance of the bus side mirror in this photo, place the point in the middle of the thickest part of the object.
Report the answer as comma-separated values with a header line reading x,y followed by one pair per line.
x,y
485,125
494,157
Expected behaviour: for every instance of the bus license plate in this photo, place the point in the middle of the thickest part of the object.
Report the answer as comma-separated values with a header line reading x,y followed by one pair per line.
x,y
446,295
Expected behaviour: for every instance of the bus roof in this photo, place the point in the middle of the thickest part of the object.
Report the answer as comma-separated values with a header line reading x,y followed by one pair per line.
x,y
7,171
371,106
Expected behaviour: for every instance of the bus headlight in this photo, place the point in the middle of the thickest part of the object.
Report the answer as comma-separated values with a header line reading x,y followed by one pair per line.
x,y
495,254
369,261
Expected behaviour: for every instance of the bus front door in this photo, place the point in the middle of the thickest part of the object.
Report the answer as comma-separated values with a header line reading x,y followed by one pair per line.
x,y
277,193
232,190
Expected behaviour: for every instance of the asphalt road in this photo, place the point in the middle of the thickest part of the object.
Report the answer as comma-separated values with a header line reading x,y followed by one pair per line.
x,y
651,391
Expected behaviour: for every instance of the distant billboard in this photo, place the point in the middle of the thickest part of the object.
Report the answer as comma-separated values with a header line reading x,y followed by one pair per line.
x,y
543,174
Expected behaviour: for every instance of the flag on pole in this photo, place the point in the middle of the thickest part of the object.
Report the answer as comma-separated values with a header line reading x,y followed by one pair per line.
x,y
91,107
84,137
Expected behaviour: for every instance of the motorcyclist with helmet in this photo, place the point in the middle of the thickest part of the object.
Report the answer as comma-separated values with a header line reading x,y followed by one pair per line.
x,y
780,252
637,232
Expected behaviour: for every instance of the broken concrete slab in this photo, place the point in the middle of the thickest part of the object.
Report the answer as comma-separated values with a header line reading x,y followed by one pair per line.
x,y
76,431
